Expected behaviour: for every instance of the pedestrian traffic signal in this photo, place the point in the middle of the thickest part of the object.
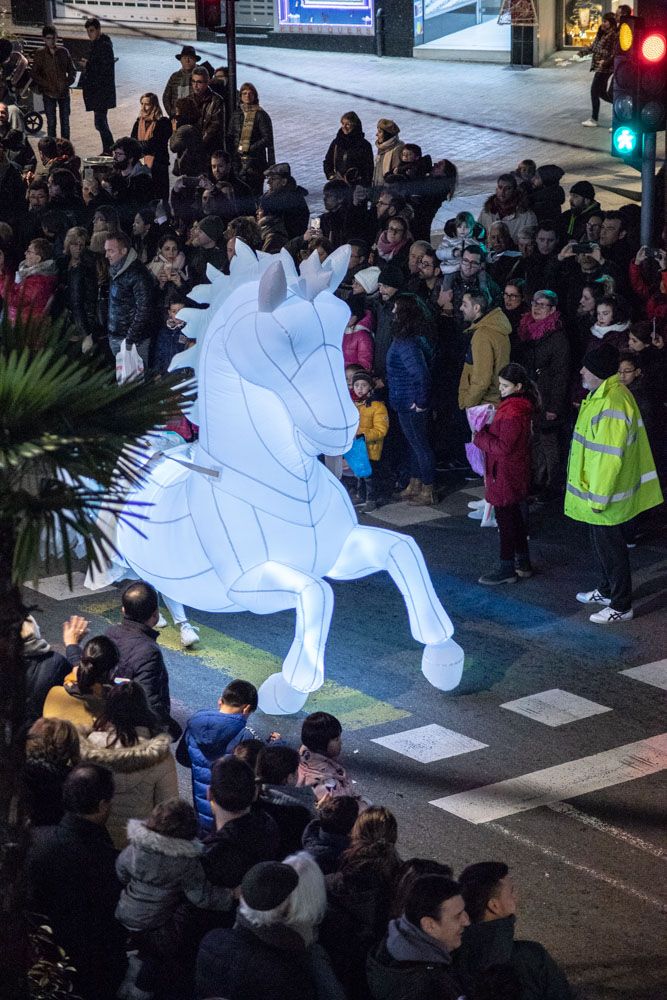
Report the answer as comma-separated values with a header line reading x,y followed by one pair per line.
x,y
625,124
640,87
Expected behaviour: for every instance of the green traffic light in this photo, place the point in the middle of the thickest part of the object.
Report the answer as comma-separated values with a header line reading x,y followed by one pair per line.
x,y
625,140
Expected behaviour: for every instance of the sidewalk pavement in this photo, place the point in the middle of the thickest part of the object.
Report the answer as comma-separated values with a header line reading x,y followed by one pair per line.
x,y
547,103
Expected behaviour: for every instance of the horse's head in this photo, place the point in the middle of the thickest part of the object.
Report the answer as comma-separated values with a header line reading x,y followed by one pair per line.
x,y
292,345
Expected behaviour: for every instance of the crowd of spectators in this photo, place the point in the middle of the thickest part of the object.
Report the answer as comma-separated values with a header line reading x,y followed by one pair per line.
x,y
282,880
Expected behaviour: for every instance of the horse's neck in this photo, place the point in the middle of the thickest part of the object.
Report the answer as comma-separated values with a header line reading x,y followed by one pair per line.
x,y
249,430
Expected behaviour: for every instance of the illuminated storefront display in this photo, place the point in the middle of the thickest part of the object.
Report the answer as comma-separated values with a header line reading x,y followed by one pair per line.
x,y
336,17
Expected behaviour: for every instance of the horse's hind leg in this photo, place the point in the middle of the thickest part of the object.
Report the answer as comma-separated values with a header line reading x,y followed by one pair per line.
x,y
367,550
270,587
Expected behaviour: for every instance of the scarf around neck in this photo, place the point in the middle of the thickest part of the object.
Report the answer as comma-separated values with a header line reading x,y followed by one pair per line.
x,y
388,250
535,329
601,331
249,114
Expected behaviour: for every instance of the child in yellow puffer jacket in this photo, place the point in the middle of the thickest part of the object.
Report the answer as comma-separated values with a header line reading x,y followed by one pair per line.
x,y
373,427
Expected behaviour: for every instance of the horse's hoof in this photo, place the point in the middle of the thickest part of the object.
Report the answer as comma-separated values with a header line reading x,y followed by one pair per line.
x,y
276,697
442,664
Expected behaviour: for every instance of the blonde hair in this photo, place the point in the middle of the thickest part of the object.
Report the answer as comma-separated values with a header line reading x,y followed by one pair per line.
x,y
75,233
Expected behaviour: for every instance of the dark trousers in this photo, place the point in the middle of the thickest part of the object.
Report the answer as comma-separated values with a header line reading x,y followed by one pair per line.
x,y
512,529
415,430
599,93
611,552
62,104
102,126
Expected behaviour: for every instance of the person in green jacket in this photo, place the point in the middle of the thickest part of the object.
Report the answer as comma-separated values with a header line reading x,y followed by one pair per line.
x,y
611,478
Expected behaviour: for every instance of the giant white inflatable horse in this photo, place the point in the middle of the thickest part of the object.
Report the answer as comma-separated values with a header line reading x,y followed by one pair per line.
x,y
253,520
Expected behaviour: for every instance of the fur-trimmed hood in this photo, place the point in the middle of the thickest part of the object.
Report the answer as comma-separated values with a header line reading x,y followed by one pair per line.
x,y
144,839
149,750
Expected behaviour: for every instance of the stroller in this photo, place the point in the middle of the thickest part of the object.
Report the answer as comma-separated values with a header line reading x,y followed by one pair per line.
x,y
15,82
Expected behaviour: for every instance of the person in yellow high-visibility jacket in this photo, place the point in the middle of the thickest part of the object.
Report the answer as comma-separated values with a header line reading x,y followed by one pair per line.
x,y
611,478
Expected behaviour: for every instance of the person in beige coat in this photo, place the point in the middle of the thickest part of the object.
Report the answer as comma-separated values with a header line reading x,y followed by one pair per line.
x,y
488,351
130,742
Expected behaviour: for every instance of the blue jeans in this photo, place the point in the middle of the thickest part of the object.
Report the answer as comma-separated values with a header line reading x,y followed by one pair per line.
x,y
63,106
415,430
102,126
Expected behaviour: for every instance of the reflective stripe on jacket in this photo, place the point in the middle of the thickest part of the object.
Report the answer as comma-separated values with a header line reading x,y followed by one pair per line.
x,y
610,468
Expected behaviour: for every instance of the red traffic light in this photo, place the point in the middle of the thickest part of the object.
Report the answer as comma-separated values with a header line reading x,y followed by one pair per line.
x,y
653,47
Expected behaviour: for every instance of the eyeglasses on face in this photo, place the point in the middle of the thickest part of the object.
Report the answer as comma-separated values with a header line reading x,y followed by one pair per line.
x,y
511,295
541,303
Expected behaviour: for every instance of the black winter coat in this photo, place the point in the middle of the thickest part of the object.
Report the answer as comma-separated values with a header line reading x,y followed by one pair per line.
x,y
12,195
240,844
141,660
98,80
131,301
158,144
81,295
72,881
290,204
42,672
491,943
254,963
547,361
290,813
350,157
392,980
260,150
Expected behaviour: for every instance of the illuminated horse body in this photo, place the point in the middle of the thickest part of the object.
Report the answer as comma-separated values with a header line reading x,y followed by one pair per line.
x,y
255,521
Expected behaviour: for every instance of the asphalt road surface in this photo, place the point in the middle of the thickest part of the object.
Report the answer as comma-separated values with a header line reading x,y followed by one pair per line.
x,y
580,815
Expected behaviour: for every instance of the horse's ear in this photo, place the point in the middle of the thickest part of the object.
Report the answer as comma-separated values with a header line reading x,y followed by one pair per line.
x,y
291,273
337,263
272,288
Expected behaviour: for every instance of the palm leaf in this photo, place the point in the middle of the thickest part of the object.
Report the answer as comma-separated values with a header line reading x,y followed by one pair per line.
x,y
71,440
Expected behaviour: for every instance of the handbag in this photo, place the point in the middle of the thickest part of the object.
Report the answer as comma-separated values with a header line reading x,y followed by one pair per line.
x,y
357,458
129,366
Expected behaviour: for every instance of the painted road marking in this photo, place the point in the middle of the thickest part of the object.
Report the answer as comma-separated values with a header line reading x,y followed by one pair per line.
x,y
403,514
615,883
555,707
235,658
57,588
564,781
650,673
598,824
429,743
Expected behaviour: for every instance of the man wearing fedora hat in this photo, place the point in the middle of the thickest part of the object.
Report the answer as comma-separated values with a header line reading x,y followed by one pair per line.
x,y
179,84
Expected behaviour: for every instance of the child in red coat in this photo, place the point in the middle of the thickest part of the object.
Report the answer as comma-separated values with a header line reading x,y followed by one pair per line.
x,y
506,446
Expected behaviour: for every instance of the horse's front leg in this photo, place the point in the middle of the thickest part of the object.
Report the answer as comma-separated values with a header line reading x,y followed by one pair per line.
x,y
270,587
367,550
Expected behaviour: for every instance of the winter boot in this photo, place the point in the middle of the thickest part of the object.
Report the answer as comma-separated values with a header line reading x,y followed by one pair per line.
x,y
412,489
425,497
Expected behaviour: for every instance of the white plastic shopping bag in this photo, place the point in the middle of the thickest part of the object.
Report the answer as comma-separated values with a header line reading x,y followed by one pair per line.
x,y
129,366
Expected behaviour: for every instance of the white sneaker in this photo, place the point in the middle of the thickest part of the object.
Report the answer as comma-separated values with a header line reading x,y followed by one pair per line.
x,y
590,123
477,514
161,622
592,597
607,616
477,504
189,635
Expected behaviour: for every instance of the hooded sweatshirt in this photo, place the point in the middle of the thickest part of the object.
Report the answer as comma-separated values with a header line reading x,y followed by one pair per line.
x,y
410,963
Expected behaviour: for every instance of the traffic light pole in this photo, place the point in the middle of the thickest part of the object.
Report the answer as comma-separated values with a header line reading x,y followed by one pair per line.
x,y
648,189
230,37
